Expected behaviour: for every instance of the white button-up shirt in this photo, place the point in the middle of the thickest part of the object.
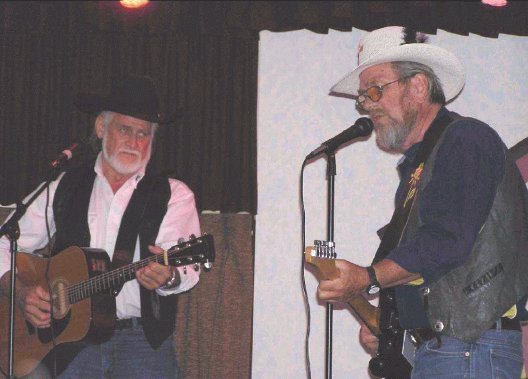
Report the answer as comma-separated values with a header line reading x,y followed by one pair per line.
x,y
105,213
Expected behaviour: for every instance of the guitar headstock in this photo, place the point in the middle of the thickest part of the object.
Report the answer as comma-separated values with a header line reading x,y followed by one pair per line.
x,y
194,250
322,256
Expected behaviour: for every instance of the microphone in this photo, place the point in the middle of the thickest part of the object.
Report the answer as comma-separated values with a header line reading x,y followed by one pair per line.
x,y
361,128
65,156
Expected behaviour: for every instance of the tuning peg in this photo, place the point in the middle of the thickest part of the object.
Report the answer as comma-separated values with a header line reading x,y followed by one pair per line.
x,y
192,237
207,265
181,240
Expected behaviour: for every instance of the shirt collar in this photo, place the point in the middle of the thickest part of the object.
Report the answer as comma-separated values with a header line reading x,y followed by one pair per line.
x,y
134,179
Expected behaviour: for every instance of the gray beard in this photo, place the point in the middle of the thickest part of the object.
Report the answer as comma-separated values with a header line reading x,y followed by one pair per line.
x,y
392,138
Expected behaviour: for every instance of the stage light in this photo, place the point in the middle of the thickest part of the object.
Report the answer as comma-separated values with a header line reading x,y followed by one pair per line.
x,y
495,3
133,3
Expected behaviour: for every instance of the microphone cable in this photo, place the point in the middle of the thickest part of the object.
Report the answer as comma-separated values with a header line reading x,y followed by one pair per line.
x,y
303,279
50,289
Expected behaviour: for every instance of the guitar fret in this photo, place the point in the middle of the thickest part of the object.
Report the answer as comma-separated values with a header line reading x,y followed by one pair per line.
x,y
113,279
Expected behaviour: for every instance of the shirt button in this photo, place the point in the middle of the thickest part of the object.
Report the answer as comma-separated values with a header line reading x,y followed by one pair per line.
x,y
466,354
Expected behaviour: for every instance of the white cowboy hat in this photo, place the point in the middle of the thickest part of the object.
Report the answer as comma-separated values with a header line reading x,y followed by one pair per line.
x,y
391,44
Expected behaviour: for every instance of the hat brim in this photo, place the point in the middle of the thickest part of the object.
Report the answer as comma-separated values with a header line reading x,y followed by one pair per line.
x,y
95,103
444,64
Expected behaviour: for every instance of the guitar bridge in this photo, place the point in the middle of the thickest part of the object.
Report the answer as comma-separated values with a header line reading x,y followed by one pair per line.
x,y
324,249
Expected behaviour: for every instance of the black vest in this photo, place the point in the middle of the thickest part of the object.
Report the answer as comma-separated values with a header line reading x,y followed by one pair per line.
x,y
143,217
470,298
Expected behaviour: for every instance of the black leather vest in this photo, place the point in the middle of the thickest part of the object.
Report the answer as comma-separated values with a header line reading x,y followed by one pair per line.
x,y
469,299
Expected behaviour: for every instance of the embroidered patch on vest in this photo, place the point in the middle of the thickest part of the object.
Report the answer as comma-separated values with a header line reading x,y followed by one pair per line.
x,y
413,183
483,280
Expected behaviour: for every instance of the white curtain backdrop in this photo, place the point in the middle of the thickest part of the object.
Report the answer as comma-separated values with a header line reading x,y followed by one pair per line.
x,y
295,115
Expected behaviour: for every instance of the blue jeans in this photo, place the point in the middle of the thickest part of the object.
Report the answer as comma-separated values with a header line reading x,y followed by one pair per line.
x,y
497,354
126,355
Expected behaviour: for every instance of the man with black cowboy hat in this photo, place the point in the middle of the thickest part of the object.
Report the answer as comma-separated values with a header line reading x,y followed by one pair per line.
x,y
116,206
452,261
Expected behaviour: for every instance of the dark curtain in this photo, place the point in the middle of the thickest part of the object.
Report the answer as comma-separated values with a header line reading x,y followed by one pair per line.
x,y
206,81
203,55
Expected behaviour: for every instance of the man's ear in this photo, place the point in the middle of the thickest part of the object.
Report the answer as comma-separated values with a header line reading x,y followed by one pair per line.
x,y
99,126
420,87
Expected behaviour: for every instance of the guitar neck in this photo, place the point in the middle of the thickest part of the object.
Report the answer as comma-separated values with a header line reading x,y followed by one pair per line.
x,y
109,280
201,251
367,313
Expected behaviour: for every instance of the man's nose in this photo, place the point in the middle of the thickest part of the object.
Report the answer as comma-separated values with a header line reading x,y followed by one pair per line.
x,y
132,139
367,104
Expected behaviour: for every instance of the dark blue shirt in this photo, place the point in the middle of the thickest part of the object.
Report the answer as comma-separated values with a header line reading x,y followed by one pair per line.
x,y
454,205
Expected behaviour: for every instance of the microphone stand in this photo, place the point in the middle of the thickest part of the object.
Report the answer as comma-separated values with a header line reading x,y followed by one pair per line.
x,y
11,229
330,172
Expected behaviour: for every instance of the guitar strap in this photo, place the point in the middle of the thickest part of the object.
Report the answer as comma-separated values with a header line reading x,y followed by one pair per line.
x,y
394,230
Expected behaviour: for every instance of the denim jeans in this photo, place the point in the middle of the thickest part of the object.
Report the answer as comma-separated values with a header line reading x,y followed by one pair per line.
x,y
126,355
497,354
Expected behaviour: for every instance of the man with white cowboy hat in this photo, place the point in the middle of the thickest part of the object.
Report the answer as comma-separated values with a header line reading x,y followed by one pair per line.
x,y
116,205
452,262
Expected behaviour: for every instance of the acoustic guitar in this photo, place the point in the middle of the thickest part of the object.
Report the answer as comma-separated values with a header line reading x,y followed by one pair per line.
x,y
83,291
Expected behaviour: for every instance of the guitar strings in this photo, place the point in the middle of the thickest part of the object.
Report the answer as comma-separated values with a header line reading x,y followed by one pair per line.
x,y
81,290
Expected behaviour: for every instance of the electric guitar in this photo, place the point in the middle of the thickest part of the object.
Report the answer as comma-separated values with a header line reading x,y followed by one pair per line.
x,y
83,291
382,321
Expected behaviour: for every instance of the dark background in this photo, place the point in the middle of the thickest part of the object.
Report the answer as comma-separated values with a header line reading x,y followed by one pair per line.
x,y
203,57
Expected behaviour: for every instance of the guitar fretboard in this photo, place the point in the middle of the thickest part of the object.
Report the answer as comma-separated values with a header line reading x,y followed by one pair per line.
x,y
113,279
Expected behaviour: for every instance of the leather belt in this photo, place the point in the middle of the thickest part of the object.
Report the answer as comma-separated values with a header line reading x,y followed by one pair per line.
x,y
127,323
421,335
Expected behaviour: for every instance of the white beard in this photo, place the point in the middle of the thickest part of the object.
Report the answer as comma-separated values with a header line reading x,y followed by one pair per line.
x,y
125,168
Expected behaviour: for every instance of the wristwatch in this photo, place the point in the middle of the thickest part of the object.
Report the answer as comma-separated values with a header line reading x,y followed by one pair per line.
x,y
172,282
374,286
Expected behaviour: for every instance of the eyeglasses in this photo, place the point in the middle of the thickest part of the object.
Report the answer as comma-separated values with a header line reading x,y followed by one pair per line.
x,y
374,93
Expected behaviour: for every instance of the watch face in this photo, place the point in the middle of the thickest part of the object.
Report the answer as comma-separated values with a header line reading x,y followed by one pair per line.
x,y
373,289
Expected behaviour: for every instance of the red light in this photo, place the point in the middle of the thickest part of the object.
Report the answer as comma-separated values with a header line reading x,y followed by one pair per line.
x,y
133,3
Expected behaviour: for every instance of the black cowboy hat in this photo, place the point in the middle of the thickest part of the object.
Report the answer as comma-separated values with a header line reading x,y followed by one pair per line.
x,y
133,96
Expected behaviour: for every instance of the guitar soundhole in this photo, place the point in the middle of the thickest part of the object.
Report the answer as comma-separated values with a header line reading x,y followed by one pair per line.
x,y
46,335
61,305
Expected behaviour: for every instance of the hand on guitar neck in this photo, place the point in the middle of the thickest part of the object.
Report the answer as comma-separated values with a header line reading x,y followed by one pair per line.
x,y
337,287
156,275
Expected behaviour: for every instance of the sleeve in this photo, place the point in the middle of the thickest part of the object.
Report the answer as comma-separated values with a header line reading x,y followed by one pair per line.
x,y
456,202
180,221
33,230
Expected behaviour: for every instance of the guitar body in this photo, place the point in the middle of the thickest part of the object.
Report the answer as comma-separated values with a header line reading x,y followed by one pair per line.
x,y
389,362
89,318
84,308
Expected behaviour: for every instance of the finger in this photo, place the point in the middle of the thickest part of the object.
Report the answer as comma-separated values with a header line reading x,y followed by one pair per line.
x,y
37,318
159,272
152,279
155,249
42,293
146,282
35,302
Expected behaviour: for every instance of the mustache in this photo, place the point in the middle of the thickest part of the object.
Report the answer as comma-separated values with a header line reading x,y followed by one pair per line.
x,y
129,151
